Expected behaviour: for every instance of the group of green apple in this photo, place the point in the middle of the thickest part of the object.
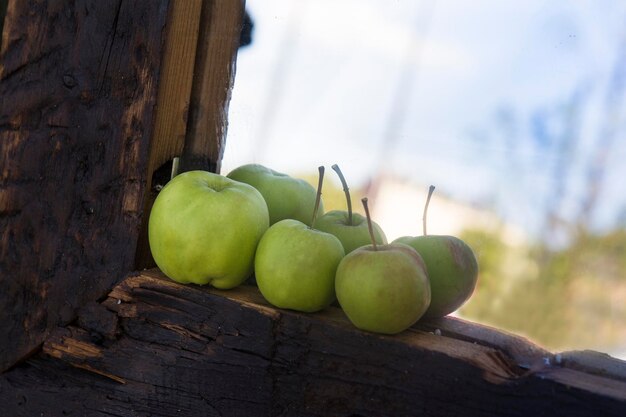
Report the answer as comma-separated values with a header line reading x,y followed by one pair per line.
x,y
206,228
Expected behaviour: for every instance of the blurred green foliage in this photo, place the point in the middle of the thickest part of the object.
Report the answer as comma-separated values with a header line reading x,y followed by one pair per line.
x,y
570,298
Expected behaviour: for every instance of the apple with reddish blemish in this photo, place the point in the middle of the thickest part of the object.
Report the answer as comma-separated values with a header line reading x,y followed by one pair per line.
x,y
452,268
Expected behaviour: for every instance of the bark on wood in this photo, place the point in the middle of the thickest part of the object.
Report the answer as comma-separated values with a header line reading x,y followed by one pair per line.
x,y
157,348
78,85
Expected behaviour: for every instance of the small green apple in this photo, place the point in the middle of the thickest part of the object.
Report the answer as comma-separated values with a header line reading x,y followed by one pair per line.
x,y
452,268
286,197
295,264
350,228
382,288
204,229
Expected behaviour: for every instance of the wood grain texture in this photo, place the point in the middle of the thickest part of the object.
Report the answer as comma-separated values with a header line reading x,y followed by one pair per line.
x,y
173,101
157,348
213,79
78,84
177,69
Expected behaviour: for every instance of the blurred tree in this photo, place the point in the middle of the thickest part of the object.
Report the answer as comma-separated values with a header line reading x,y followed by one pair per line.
x,y
575,300
490,252
570,290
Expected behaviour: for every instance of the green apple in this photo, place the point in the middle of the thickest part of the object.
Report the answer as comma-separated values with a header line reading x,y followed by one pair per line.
x,y
286,197
452,268
204,229
295,264
383,288
350,228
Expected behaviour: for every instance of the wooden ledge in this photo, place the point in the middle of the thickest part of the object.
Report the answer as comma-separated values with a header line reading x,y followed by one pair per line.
x,y
155,347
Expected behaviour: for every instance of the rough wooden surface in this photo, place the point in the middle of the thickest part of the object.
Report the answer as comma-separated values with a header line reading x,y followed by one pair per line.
x,y
157,348
78,83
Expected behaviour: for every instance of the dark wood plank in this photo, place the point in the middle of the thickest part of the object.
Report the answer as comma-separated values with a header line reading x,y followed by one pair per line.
x,y
78,83
157,348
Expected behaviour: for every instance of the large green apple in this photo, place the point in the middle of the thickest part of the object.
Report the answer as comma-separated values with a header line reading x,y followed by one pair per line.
x,y
204,229
350,228
383,290
286,197
295,266
452,270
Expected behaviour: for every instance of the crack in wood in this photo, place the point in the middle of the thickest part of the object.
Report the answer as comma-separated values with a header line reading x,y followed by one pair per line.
x,y
99,372
185,332
109,47
29,63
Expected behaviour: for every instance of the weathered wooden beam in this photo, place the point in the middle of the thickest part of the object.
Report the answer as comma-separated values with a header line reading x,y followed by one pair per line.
x,y
157,348
213,78
94,98
78,88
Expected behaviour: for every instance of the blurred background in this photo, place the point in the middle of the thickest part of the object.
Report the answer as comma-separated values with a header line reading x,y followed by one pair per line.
x,y
515,111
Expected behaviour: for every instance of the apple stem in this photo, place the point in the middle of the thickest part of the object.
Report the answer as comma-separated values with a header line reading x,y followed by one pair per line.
x,y
346,190
175,165
369,222
318,197
431,189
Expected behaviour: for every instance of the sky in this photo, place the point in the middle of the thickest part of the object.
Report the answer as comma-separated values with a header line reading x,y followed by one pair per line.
x,y
480,98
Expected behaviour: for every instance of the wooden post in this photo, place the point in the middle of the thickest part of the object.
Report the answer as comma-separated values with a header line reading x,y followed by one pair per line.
x,y
95,96
78,87
213,79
